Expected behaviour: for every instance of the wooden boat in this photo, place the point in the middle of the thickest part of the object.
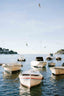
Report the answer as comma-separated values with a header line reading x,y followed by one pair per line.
x,y
51,64
38,62
30,78
57,70
12,67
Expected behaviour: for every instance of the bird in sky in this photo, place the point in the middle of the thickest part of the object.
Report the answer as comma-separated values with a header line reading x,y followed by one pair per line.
x,y
39,5
44,46
26,44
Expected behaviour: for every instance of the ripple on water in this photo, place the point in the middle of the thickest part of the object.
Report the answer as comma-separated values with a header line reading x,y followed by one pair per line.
x,y
50,85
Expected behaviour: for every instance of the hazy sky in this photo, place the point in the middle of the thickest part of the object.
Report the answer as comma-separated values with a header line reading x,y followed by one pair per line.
x,y
23,22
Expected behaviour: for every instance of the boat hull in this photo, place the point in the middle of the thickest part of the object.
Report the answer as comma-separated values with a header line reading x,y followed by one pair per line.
x,y
38,64
57,70
30,81
12,68
51,64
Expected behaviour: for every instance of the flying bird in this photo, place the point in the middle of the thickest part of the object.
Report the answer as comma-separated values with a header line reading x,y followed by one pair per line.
x,y
39,5
44,46
26,44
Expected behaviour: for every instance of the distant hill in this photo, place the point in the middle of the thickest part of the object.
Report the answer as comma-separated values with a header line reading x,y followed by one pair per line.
x,y
61,51
7,51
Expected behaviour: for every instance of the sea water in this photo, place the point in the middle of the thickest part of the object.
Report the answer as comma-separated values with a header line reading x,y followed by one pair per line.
x,y
10,84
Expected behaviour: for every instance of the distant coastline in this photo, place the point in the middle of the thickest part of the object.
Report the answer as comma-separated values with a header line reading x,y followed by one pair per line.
x,y
61,51
7,51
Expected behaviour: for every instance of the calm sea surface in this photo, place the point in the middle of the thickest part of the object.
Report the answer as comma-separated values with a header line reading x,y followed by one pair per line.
x,y
10,84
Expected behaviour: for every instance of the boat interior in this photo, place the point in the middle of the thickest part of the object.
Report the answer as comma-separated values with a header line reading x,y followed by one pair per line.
x,y
30,74
39,58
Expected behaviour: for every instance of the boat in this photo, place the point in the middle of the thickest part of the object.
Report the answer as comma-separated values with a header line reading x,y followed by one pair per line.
x,y
38,69
57,70
7,75
58,58
30,78
39,62
51,64
57,77
0,64
63,64
12,67
21,59
50,57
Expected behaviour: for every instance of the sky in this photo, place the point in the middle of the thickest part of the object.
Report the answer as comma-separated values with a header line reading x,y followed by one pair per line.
x,y
28,28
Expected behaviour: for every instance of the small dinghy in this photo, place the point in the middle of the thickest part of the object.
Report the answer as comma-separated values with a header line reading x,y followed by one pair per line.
x,y
51,64
12,67
30,78
21,59
50,57
38,62
63,64
57,70
58,58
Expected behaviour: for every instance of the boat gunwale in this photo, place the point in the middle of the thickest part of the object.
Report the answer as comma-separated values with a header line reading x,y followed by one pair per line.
x,y
30,74
59,68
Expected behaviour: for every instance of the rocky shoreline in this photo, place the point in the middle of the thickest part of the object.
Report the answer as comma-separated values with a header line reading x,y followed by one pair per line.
x,y
61,51
7,51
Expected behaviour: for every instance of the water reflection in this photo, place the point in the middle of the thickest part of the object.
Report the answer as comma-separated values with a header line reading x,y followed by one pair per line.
x,y
38,69
24,91
34,91
10,75
57,77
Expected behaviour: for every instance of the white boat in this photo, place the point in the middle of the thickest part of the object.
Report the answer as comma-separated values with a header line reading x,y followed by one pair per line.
x,y
30,78
21,59
38,69
58,58
51,64
12,67
50,57
38,62
57,70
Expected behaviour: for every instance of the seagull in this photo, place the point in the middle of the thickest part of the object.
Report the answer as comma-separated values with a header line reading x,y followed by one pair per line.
x,y
39,5
26,44
44,46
